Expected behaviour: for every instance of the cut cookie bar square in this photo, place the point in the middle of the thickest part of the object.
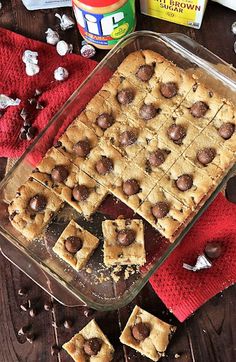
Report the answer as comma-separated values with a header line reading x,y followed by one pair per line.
x,y
133,186
143,68
147,334
156,158
92,340
105,164
75,245
208,155
187,183
178,133
123,242
164,212
200,106
127,139
173,86
76,142
32,208
223,127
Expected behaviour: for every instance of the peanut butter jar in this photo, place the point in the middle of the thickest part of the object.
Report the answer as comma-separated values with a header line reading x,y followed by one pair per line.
x,y
104,23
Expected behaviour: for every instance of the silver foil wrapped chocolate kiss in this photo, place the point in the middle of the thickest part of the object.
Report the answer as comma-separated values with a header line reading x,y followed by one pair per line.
x,y
201,263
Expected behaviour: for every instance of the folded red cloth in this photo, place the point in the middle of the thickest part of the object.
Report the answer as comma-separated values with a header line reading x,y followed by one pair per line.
x,y
184,291
14,82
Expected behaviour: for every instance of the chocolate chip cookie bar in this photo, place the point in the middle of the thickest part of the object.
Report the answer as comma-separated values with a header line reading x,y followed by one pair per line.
x,y
123,242
77,142
75,245
147,334
90,344
164,212
32,208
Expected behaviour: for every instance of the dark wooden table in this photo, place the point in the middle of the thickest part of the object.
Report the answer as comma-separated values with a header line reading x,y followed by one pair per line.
x,y
207,336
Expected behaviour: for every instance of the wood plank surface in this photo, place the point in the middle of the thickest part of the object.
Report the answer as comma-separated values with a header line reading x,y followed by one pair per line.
x,y
207,336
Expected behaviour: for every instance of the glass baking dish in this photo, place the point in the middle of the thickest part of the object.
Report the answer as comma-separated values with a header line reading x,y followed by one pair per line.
x,y
94,286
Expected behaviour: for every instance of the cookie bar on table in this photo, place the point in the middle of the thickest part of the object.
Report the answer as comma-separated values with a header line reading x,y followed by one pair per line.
x,y
223,127
105,164
69,182
75,245
123,242
200,106
156,158
133,186
210,156
77,142
90,344
32,208
127,139
187,183
164,212
147,334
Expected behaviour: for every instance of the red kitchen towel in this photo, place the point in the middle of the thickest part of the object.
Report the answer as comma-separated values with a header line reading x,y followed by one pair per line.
x,y
184,291
14,82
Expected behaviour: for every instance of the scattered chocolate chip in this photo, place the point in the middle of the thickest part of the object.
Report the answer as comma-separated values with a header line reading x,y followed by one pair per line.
x,y
206,155
68,323
140,331
39,105
126,237
156,158
131,187
88,312
213,250
169,89
24,114
30,337
32,101
38,203
80,193
105,120
104,165
92,346
145,72
176,133
23,330
23,134
22,291
48,306
230,191
127,138
160,209
33,312
226,130
125,96
73,244
82,148
59,173
184,182
55,350
37,92
199,109
147,112
24,306
58,144
31,133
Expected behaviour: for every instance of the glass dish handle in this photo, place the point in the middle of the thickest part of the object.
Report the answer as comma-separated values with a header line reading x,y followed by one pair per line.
x,y
39,276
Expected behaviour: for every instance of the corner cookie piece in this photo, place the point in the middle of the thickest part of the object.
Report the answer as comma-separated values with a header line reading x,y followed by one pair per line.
x,y
164,212
32,208
123,242
147,334
75,245
90,344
